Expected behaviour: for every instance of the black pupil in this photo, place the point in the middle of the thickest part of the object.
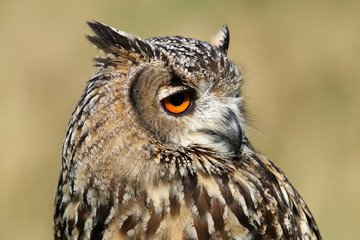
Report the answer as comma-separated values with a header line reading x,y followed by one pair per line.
x,y
177,99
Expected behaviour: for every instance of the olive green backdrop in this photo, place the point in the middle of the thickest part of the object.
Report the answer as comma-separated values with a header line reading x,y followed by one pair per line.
x,y
302,67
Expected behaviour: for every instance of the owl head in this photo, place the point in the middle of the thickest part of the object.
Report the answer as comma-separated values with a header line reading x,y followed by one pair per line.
x,y
174,91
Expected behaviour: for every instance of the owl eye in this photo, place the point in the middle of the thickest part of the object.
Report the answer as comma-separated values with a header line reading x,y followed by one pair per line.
x,y
179,102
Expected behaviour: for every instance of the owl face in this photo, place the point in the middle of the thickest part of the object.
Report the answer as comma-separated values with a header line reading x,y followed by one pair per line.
x,y
183,92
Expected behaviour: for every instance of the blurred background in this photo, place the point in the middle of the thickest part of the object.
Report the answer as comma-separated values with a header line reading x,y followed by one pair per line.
x,y
302,67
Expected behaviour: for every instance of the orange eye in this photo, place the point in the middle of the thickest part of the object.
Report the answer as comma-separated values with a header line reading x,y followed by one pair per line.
x,y
179,102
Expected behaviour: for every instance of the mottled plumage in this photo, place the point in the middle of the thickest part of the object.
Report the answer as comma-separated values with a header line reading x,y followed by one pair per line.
x,y
157,148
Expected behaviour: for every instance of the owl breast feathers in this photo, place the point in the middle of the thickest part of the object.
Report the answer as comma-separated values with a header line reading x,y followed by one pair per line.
x,y
157,148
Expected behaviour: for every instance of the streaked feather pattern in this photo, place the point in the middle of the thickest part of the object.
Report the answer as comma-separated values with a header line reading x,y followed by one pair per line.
x,y
123,178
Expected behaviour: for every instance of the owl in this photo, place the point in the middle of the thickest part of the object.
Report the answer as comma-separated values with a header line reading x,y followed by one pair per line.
x,y
157,148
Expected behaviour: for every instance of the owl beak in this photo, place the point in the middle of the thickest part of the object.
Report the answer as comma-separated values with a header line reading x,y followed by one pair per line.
x,y
232,133
224,138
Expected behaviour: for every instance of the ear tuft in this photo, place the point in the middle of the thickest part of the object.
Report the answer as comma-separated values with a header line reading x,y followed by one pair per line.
x,y
121,44
221,39
108,37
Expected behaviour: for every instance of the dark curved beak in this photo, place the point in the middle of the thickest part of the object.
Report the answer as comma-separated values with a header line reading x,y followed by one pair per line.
x,y
233,133
229,133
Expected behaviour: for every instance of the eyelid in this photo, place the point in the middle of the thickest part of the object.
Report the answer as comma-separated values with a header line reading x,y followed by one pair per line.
x,y
167,91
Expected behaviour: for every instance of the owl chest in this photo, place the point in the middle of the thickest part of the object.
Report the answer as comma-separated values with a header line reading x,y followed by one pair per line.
x,y
181,210
152,211
150,223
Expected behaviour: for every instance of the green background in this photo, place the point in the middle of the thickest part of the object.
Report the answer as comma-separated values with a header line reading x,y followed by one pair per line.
x,y
302,67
